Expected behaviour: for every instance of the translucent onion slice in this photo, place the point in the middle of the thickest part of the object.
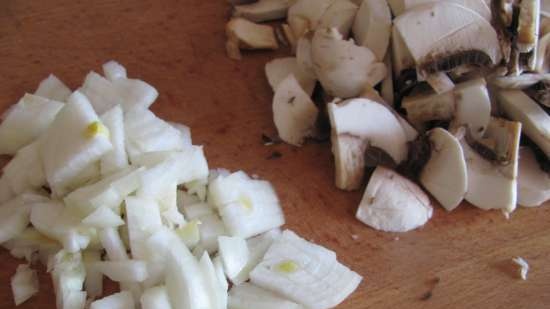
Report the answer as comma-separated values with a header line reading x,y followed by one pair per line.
x,y
305,273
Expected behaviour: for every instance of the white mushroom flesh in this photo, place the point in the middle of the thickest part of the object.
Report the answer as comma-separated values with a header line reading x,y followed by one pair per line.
x,y
445,174
294,113
533,183
392,203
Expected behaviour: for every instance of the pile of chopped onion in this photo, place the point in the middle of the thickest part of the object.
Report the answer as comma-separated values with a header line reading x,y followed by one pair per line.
x,y
99,186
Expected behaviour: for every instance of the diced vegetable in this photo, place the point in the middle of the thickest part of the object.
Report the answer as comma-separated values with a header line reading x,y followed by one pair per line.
x,y
24,284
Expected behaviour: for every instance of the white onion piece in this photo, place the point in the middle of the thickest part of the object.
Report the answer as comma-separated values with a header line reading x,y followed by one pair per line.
x,y
103,217
25,172
145,132
257,248
143,219
248,207
185,282
111,241
305,273
116,159
26,121
210,228
123,271
24,284
14,218
114,70
217,291
108,192
122,300
247,296
68,275
94,278
74,142
53,88
155,298
197,210
234,254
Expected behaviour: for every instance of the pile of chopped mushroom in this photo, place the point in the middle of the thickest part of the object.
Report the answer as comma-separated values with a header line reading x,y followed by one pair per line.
x,y
453,94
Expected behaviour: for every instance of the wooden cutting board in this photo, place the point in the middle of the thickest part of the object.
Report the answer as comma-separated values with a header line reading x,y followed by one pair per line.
x,y
458,260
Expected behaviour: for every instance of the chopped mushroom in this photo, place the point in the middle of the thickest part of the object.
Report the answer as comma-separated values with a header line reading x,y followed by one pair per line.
x,y
442,36
492,182
305,15
342,67
445,174
294,113
263,10
244,34
440,82
536,122
543,55
372,26
356,125
392,203
340,15
373,95
477,6
278,69
519,82
528,25
467,104
533,183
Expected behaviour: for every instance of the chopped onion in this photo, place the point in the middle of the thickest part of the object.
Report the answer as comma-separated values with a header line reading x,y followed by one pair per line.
x,y
155,298
24,284
305,273
123,271
122,300
247,296
234,255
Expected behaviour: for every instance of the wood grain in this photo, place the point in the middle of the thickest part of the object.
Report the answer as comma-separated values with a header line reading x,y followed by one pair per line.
x,y
458,260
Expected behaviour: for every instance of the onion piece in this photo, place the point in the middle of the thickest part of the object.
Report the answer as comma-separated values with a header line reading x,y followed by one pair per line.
x,y
24,284
305,273
155,298
122,300
247,296
53,88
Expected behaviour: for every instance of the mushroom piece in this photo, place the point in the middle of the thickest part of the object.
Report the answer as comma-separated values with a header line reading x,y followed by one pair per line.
x,y
467,104
477,6
519,82
304,15
342,67
277,70
445,175
402,57
309,15
492,184
356,125
263,10
528,25
543,55
244,34
392,203
440,82
289,35
370,93
372,26
294,113
533,183
442,36
535,121
339,15
303,54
